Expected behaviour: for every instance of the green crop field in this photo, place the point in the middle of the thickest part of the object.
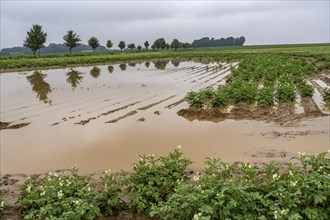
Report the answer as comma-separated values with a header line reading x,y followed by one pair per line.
x,y
8,64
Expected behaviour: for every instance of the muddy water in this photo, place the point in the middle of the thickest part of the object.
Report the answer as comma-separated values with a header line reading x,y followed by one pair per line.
x,y
102,117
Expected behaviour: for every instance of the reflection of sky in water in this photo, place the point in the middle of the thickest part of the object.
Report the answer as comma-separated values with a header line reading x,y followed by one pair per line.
x,y
30,87
77,95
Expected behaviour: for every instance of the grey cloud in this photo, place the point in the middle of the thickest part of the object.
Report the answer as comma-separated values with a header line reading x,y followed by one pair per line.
x,y
136,21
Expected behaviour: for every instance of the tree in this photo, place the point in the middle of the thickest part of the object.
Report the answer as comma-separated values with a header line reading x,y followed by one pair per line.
x,y
35,38
71,40
139,48
109,44
146,44
93,42
122,45
131,46
230,41
240,41
160,43
175,44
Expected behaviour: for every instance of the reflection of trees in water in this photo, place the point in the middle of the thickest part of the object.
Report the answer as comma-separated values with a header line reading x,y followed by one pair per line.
x,y
74,78
175,63
95,72
132,64
122,66
110,69
147,64
40,86
161,64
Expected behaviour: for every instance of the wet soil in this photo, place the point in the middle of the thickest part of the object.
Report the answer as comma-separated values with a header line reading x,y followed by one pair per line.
x,y
7,125
284,115
122,117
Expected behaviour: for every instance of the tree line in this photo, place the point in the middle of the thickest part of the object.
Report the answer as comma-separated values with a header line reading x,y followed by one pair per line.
x,y
229,41
36,38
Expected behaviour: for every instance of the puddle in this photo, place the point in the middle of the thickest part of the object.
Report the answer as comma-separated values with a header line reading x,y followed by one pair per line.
x,y
317,97
101,117
322,84
299,109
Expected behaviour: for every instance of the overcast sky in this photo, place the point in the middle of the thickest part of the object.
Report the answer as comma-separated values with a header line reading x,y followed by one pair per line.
x,y
261,22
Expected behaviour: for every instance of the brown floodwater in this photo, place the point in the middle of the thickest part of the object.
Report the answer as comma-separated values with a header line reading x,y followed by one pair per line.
x,y
102,117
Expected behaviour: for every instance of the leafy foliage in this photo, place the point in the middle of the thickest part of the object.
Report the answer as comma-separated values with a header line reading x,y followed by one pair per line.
x,y
265,96
35,38
243,191
198,99
109,197
109,44
264,78
146,44
59,196
162,187
131,46
160,43
71,40
122,45
326,94
93,42
220,98
285,89
154,180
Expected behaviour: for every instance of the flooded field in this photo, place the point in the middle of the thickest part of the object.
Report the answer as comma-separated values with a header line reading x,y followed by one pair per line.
x,y
101,117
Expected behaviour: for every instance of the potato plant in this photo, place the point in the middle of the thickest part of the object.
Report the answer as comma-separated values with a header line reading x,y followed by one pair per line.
x,y
162,187
243,191
154,180
59,196
280,77
326,94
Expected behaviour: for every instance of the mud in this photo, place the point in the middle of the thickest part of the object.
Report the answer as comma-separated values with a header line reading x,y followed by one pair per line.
x,y
83,122
7,125
291,134
175,103
325,79
122,117
284,115
141,119
156,103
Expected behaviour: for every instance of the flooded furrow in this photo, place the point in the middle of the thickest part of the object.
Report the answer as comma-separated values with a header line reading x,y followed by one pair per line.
x,y
130,109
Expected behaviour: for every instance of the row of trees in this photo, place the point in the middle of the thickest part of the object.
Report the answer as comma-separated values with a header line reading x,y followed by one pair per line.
x,y
36,38
229,41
